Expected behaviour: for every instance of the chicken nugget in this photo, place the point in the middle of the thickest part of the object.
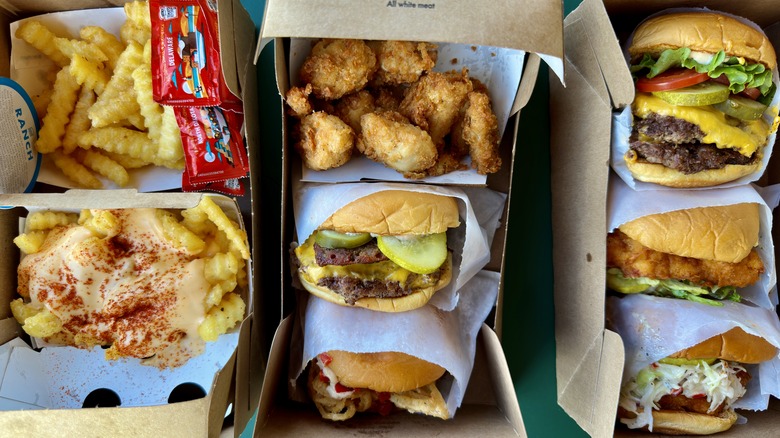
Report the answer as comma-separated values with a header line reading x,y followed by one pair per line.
x,y
445,163
297,99
476,131
402,62
324,141
337,67
434,101
352,106
388,138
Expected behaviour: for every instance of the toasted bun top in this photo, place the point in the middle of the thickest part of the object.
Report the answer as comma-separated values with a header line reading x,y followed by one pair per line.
x,y
734,345
396,212
383,372
723,233
704,32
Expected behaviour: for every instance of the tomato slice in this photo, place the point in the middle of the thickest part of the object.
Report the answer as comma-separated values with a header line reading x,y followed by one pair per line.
x,y
671,79
752,93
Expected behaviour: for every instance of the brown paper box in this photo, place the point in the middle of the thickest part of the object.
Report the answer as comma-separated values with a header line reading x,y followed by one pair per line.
x,y
590,358
490,407
202,417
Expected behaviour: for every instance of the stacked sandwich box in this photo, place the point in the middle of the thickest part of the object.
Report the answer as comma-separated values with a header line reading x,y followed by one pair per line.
x,y
590,357
489,405
201,415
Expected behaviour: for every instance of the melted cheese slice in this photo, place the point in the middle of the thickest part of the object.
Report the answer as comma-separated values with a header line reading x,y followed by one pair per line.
x,y
746,138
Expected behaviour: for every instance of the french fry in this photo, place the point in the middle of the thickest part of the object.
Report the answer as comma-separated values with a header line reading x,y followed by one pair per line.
x,y
126,161
222,318
30,243
42,325
85,49
39,36
236,235
46,220
101,223
119,97
150,110
88,74
79,121
62,103
108,43
171,148
103,165
138,26
121,140
75,171
179,235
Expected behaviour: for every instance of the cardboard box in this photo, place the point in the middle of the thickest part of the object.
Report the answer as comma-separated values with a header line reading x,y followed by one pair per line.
x,y
202,416
492,411
590,358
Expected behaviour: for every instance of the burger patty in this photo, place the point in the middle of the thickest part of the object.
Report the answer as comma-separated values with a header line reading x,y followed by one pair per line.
x,y
637,260
677,145
368,253
353,289
697,405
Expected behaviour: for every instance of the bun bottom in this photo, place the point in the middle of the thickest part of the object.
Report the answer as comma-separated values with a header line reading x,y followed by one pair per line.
x,y
662,175
686,423
414,300
689,423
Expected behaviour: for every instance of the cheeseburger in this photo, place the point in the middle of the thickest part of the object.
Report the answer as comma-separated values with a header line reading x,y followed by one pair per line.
x,y
386,251
342,383
693,390
703,86
702,254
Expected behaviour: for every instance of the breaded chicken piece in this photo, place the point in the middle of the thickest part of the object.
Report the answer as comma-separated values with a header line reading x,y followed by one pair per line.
x,y
388,98
338,67
637,260
388,138
402,62
434,101
324,141
476,132
297,99
352,106
445,163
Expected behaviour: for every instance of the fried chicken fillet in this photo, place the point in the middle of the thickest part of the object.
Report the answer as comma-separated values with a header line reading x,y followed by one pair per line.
x,y
636,260
338,67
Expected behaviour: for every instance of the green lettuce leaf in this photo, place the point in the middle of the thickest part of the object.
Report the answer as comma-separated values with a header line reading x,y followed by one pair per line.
x,y
740,74
671,289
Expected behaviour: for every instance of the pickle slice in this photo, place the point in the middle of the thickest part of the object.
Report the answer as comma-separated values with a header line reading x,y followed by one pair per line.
x,y
334,239
419,254
741,108
705,93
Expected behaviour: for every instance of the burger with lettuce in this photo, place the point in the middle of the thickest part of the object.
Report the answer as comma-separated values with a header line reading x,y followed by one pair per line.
x,y
704,82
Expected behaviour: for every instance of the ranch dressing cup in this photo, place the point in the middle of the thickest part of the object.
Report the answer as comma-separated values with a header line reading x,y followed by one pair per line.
x,y
19,131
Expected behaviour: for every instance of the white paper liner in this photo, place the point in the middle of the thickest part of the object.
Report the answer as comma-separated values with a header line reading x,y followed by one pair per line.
x,y
653,328
59,378
314,203
625,205
622,121
447,339
500,69
28,67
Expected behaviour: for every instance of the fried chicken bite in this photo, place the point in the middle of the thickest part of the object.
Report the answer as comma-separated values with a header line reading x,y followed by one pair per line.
x,y
387,137
402,62
445,163
337,67
352,106
476,133
434,101
297,99
324,141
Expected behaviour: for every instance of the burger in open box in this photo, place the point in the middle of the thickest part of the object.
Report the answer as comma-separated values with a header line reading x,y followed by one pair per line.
x,y
704,85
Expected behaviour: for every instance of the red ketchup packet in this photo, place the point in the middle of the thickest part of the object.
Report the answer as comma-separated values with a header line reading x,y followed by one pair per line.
x,y
186,64
232,187
213,146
